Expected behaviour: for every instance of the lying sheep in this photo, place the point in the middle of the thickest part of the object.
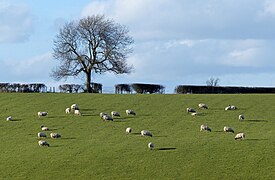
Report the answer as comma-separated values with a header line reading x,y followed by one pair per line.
x,y
43,128
203,106
228,129
68,110
146,133
43,143
128,130
151,145
77,112
55,135
194,114
205,128
240,136
42,114
130,112
9,118
107,118
229,107
190,110
115,114
241,117
41,135
74,107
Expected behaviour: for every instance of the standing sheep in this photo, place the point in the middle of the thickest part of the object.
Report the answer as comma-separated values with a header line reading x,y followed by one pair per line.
x,y
128,130
146,133
190,110
205,128
107,118
68,110
43,143
240,136
74,107
43,128
130,112
241,117
55,135
115,114
151,145
9,118
228,129
102,114
41,135
203,106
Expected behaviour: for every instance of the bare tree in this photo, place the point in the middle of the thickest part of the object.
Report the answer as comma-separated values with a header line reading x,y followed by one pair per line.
x,y
213,82
92,44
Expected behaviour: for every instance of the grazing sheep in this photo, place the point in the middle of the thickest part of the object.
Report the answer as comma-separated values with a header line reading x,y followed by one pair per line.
x,y
228,129
130,112
9,118
128,130
203,106
55,135
151,145
241,117
102,114
68,110
240,136
42,114
146,133
77,112
107,118
205,128
115,114
41,135
43,128
190,110
74,107
43,143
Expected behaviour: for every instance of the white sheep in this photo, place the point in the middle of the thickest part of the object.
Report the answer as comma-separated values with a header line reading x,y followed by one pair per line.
x,y
55,135
77,112
107,118
43,128
194,114
74,107
68,110
190,110
151,145
229,107
228,129
146,133
9,118
43,143
42,114
130,112
240,136
102,114
205,128
41,135
203,106
128,130
115,114
241,117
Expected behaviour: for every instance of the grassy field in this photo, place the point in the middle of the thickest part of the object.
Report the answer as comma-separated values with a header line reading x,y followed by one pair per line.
x,y
93,149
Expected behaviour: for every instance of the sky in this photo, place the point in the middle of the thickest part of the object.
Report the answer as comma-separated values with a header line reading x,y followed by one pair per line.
x,y
176,42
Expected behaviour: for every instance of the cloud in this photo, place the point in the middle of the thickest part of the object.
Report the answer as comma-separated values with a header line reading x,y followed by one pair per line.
x,y
16,22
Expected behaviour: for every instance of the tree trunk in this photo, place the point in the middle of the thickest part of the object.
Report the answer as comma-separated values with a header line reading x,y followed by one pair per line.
x,y
88,82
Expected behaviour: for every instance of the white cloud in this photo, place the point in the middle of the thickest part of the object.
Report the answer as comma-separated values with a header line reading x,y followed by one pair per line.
x,y
16,22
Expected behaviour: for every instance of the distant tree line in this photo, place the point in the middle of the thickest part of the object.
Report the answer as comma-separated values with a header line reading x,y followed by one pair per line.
x,y
76,88
139,88
26,88
185,89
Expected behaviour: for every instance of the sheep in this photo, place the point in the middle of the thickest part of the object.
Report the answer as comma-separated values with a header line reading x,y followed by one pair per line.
x,y
128,130
228,129
77,112
68,110
130,112
107,118
74,107
43,143
43,128
203,106
115,114
151,145
41,135
9,118
229,107
146,133
240,136
55,135
241,117
205,128
42,114
102,114
192,110
194,114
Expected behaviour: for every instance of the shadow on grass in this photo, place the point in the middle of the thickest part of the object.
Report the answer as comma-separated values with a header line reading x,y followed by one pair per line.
x,y
68,138
16,120
256,120
256,139
166,149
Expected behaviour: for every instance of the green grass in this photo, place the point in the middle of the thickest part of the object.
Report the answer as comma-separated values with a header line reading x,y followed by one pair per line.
x,y
93,149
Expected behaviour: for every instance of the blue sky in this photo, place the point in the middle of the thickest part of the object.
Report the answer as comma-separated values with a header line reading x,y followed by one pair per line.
x,y
176,41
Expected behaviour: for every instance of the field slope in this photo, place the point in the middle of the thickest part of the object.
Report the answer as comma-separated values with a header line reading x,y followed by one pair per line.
x,y
93,149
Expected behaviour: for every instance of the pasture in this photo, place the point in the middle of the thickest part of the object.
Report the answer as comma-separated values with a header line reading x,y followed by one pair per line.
x,y
93,149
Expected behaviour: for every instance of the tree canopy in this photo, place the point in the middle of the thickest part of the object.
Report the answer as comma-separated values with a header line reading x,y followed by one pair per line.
x,y
92,44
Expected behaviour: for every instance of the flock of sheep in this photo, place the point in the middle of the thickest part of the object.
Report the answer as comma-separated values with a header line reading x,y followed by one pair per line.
x,y
204,127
